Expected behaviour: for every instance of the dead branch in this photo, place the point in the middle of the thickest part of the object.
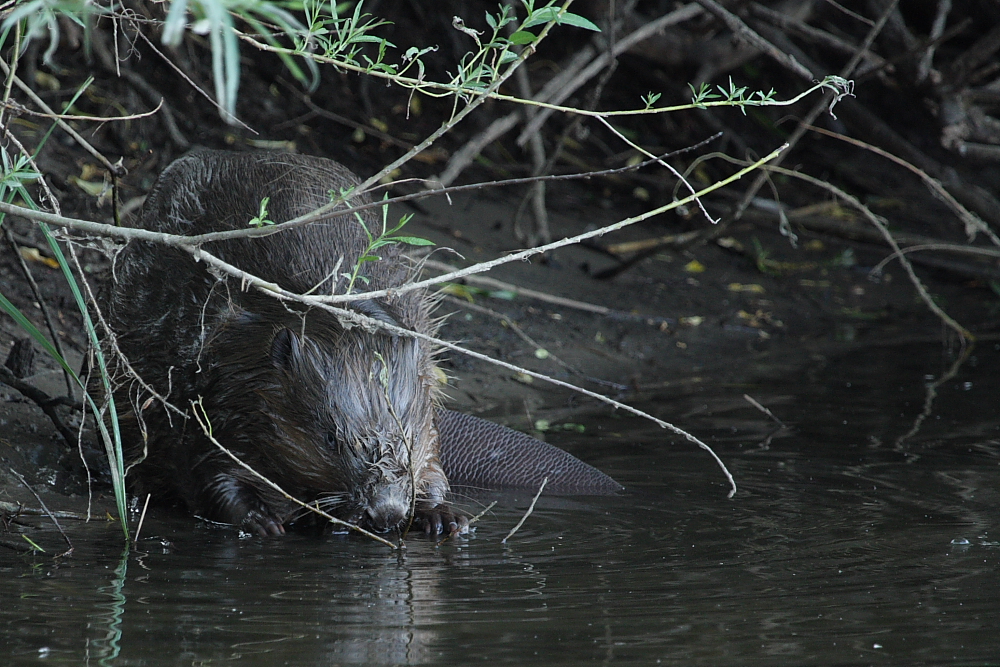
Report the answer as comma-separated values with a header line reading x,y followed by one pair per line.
x,y
42,400
973,223
49,514
746,34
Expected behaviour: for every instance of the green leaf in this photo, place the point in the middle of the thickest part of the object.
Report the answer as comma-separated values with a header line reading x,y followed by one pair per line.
x,y
371,39
578,21
402,221
380,242
33,544
547,14
522,37
261,219
411,240
541,16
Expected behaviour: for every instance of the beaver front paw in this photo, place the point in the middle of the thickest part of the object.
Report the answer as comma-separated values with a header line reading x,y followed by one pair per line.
x,y
440,518
227,499
261,524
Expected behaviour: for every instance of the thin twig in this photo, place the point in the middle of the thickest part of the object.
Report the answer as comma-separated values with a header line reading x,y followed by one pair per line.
x,y
9,79
946,247
531,508
142,519
455,89
316,110
536,193
855,232
545,297
853,15
937,29
21,109
760,407
483,513
47,512
464,156
669,240
790,23
128,233
112,64
747,34
471,521
663,163
865,123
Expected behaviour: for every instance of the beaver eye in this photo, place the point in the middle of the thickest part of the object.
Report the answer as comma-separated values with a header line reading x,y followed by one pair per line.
x,y
331,440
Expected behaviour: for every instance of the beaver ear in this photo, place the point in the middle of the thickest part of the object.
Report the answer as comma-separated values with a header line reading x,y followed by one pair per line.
x,y
285,349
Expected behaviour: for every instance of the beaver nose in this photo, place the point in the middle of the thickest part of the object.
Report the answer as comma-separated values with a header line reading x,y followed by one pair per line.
x,y
386,511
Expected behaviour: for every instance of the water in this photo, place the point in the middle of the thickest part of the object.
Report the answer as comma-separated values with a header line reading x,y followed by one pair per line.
x,y
862,533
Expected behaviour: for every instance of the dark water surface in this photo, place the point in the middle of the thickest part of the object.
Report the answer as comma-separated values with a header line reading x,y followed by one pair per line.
x,y
861,534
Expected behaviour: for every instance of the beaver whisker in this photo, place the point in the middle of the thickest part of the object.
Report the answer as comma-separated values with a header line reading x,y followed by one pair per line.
x,y
331,500
337,504
328,503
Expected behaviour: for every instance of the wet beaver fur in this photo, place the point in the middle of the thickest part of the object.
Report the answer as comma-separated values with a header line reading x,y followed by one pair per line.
x,y
341,416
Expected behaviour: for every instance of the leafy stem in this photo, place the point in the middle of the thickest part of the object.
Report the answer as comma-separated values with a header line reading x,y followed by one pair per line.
x,y
261,218
385,237
704,97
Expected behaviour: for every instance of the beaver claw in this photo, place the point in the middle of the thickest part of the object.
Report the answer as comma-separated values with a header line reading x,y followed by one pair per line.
x,y
440,519
262,525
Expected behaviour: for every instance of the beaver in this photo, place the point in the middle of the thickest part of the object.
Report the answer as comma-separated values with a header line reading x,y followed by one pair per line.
x,y
341,416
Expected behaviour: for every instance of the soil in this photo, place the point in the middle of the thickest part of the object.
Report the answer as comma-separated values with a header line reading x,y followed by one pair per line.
x,y
747,304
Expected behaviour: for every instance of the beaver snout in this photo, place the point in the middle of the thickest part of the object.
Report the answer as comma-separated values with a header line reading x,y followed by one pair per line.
x,y
387,510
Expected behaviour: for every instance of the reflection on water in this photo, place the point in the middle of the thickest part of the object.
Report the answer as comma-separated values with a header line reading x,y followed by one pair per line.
x,y
855,538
